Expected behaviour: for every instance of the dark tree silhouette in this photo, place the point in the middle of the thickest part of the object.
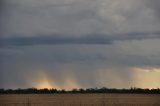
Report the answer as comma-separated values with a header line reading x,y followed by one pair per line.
x,y
88,90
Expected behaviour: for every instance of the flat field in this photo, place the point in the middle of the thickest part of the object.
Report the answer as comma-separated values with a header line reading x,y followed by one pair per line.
x,y
80,100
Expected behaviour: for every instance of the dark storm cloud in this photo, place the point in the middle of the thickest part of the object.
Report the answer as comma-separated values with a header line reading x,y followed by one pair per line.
x,y
1,4
91,65
90,39
23,41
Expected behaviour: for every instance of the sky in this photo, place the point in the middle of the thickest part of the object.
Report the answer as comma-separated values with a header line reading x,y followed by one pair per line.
x,y
68,44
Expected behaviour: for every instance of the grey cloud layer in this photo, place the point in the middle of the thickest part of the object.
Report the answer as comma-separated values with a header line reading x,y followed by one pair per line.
x,y
154,4
77,18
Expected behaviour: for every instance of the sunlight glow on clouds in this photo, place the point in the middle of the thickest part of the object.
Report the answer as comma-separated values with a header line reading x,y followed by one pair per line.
x,y
146,77
43,80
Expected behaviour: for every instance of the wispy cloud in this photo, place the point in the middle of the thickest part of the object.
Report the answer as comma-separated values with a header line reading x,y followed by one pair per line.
x,y
148,69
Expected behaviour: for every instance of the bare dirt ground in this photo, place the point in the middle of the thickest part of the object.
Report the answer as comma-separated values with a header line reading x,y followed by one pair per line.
x,y
80,100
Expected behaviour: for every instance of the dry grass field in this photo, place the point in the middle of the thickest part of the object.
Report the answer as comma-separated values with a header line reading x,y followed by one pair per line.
x,y
80,100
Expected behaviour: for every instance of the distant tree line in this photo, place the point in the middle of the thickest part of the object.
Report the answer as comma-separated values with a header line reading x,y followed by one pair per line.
x,y
75,91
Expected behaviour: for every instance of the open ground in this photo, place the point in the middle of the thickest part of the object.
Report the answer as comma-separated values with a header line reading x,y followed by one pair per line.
x,y
80,100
